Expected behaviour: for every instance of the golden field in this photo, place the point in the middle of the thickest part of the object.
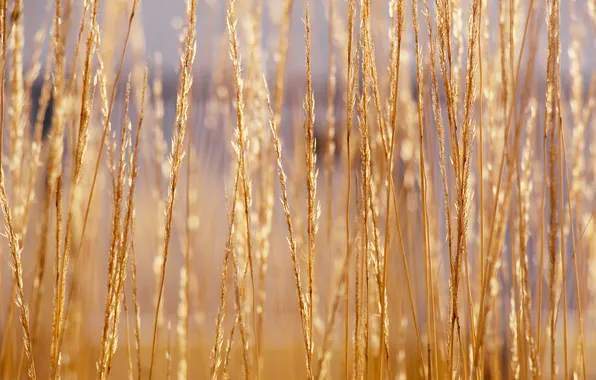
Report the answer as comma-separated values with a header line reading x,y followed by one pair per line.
x,y
404,191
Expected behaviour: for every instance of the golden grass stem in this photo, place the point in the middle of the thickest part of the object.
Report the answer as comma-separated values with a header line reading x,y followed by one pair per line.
x,y
106,125
241,139
215,352
311,182
291,237
426,252
350,99
17,270
177,154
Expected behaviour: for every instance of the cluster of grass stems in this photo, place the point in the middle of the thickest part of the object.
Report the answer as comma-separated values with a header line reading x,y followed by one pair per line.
x,y
433,221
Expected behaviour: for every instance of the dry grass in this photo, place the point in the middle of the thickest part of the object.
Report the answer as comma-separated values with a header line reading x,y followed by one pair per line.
x,y
422,210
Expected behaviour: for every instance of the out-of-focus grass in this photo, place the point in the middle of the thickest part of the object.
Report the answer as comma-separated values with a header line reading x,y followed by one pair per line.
x,y
422,210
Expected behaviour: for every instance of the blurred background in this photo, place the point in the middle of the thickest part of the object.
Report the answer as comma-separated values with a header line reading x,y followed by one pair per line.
x,y
159,23
155,38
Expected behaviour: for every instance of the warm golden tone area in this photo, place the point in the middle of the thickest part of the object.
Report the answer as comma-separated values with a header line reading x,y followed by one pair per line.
x,y
301,189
